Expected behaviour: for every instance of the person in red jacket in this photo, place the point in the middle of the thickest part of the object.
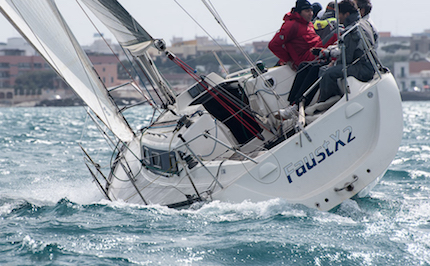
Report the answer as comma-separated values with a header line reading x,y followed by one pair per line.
x,y
293,42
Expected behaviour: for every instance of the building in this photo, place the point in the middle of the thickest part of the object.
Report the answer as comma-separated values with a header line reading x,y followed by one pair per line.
x,y
260,47
18,58
200,46
420,46
6,96
389,45
14,62
101,45
18,43
106,66
414,74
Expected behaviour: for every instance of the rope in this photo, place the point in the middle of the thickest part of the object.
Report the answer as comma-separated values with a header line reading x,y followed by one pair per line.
x,y
224,104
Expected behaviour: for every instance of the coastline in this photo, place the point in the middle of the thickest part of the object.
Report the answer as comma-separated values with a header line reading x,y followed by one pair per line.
x,y
415,96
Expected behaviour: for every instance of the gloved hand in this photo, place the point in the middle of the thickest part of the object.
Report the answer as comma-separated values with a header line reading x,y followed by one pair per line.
x,y
321,53
325,54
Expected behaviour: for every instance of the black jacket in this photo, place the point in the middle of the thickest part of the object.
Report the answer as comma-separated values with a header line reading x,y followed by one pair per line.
x,y
357,62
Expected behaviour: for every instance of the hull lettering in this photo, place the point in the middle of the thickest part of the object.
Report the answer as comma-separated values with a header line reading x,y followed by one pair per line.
x,y
320,154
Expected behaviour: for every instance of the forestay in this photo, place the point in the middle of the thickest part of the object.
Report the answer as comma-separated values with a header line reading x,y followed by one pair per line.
x,y
41,23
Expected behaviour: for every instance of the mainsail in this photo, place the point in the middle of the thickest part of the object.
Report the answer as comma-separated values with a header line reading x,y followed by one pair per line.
x,y
127,31
132,37
41,23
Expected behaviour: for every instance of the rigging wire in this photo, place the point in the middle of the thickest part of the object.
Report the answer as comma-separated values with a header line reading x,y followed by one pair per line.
x,y
225,103
56,67
107,44
210,36
136,72
149,80
217,17
89,79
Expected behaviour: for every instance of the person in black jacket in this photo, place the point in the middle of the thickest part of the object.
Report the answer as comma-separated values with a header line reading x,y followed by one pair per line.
x,y
357,62
365,7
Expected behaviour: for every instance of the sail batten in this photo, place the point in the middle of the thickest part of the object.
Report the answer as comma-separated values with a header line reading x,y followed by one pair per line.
x,y
41,23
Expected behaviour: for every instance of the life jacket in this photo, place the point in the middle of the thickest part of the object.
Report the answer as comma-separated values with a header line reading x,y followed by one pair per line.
x,y
322,24
294,40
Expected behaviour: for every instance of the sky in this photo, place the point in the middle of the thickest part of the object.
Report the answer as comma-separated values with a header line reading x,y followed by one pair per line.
x,y
247,20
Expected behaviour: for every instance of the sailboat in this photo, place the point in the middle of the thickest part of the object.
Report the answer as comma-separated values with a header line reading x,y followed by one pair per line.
x,y
220,139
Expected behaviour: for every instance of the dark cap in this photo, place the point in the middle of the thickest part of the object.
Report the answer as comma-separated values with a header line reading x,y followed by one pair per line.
x,y
301,5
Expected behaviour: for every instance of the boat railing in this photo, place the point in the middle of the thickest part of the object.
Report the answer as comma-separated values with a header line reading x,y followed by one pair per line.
x,y
186,144
369,52
207,135
89,160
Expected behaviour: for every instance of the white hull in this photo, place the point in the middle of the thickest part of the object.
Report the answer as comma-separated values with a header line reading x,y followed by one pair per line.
x,y
352,143
221,138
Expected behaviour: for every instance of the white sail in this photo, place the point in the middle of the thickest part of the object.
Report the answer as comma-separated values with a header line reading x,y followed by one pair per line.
x,y
124,27
41,23
132,37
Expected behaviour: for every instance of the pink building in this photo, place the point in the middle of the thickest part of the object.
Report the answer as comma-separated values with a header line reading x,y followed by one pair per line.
x,y
14,62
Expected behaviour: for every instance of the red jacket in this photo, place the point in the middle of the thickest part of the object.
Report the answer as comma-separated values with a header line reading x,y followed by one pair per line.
x,y
295,39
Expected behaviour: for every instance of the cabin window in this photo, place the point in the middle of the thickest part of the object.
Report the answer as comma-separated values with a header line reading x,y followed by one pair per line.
x,y
146,154
196,90
155,159
173,164
159,161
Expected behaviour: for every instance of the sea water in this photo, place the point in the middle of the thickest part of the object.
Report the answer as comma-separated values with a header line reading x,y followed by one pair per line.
x,y
51,213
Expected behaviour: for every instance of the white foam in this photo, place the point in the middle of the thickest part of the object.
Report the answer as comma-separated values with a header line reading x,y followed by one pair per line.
x,y
50,190
7,208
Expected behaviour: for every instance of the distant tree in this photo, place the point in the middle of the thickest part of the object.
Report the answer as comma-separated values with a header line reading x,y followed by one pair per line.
x,y
32,83
393,48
